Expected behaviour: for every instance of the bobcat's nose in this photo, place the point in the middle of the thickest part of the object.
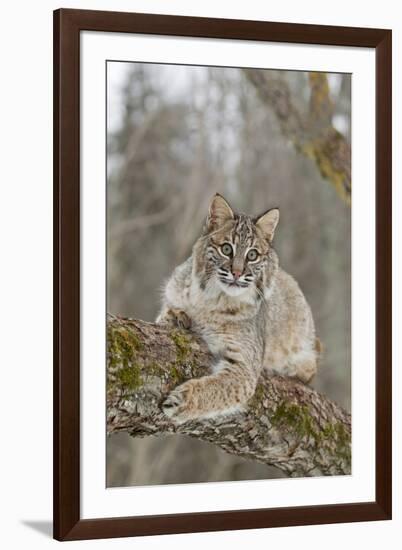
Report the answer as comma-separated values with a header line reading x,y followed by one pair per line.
x,y
236,274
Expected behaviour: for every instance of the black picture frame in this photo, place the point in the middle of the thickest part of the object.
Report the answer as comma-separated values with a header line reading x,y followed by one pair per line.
x,y
67,27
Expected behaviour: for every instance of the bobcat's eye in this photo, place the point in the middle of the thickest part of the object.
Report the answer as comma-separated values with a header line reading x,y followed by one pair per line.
x,y
252,255
227,249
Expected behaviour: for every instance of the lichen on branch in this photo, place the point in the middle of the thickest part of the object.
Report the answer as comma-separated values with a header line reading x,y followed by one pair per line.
x,y
285,424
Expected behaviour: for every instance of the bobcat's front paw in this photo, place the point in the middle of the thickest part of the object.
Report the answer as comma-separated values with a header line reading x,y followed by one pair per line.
x,y
176,318
180,404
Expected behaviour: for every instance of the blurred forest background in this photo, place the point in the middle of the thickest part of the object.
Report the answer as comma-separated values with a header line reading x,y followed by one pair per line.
x,y
175,136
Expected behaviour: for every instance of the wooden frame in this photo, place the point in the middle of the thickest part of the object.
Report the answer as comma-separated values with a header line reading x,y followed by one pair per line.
x,y
67,27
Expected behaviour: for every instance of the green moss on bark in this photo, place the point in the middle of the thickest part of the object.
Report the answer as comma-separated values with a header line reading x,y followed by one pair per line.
x,y
183,345
297,419
183,354
294,418
255,402
129,377
123,345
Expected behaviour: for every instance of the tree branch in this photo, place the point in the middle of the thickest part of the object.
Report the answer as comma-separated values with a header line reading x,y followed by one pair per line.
x,y
286,424
312,133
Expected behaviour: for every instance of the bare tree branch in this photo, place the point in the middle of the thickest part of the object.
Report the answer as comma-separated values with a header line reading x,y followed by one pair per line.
x,y
286,424
312,133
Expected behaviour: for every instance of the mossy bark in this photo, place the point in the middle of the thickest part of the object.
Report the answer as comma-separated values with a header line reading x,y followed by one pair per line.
x,y
285,424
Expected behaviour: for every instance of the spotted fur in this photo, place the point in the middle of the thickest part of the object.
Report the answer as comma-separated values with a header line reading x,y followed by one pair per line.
x,y
251,313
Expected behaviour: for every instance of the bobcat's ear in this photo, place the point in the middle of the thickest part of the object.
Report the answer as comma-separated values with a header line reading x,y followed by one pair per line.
x,y
219,213
267,223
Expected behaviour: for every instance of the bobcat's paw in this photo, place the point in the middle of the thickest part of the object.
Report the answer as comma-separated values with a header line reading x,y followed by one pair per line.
x,y
179,405
176,318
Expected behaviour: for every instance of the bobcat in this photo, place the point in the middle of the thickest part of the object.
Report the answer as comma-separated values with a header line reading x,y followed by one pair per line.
x,y
250,312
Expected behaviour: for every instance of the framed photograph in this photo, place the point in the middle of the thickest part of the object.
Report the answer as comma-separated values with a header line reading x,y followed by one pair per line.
x,y
222,274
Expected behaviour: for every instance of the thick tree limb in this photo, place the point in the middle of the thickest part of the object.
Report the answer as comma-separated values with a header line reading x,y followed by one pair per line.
x,y
286,424
312,133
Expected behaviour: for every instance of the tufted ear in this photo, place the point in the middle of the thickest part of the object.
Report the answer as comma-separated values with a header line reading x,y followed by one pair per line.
x,y
219,213
267,223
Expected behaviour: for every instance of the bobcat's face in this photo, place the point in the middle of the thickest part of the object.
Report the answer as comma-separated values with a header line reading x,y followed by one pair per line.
x,y
238,249
238,256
